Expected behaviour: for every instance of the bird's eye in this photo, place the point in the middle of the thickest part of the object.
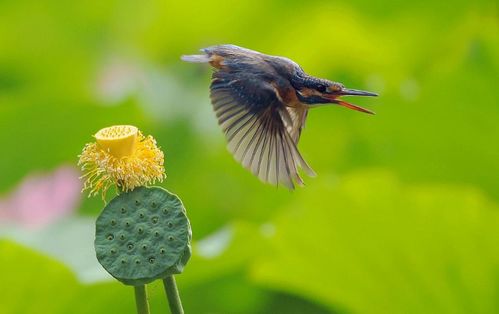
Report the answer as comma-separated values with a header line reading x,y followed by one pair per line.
x,y
322,88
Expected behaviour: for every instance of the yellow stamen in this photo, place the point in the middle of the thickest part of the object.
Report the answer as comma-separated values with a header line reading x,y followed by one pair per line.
x,y
118,140
122,156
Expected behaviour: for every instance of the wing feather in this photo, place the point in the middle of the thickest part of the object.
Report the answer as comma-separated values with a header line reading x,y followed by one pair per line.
x,y
261,132
296,121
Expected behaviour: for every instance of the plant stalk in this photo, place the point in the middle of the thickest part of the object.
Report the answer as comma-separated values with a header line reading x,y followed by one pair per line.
x,y
172,295
141,299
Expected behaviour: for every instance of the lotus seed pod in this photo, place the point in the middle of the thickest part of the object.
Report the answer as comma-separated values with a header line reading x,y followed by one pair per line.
x,y
143,235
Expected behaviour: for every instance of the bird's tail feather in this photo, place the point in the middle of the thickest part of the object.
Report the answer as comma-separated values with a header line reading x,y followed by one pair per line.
x,y
196,58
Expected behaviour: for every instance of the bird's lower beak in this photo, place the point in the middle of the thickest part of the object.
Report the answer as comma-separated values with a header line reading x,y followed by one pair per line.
x,y
352,106
350,92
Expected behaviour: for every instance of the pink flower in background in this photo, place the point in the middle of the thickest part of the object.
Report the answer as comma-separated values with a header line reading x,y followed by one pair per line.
x,y
42,198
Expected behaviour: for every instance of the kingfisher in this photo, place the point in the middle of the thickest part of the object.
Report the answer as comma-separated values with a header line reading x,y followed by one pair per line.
x,y
261,103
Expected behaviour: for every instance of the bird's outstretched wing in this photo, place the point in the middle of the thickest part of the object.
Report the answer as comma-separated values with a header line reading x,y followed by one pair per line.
x,y
261,132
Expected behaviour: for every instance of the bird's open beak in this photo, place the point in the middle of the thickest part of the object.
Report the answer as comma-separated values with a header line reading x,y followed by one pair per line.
x,y
350,92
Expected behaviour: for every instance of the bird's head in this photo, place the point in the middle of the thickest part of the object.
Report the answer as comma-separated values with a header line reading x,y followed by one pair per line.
x,y
319,91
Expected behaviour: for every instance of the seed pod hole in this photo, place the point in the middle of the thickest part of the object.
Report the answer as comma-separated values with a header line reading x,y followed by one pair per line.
x,y
170,224
123,210
141,215
165,211
113,222
123,261
137,261
110,237
144,247
170,238
153,204
113,251
154,220
151,260
130,246
127,224
122,237
156,233
162,251
137,203
141,230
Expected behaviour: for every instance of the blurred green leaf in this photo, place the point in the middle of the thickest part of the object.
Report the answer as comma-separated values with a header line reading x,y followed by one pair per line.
x,y
31,282
374,245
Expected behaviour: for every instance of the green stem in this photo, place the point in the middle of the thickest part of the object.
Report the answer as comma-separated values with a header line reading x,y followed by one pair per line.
x,y
172,295
141,299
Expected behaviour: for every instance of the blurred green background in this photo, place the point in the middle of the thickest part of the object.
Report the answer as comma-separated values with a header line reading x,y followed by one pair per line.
x,y
402,218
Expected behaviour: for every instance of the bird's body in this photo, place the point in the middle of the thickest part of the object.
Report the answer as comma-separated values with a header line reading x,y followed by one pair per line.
x,y
261,103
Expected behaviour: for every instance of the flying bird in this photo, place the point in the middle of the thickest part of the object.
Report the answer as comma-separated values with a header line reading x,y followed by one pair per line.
x,y
261,103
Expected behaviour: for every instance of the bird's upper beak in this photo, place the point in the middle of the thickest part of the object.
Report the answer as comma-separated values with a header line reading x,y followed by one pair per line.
x,y
334,98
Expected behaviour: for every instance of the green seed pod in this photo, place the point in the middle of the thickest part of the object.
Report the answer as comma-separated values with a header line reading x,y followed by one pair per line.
x,y
143,235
